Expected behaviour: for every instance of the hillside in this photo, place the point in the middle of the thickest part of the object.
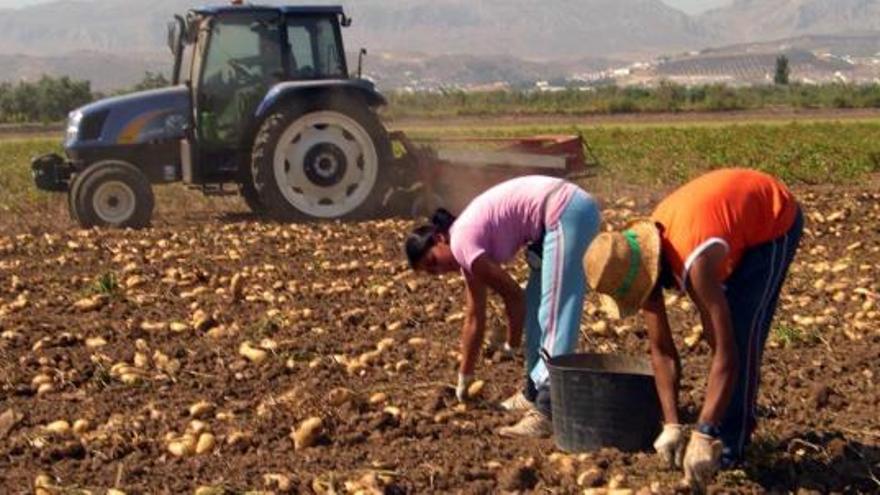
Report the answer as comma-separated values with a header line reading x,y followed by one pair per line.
x,y
106,71
521,28
527,28
763,20
432,43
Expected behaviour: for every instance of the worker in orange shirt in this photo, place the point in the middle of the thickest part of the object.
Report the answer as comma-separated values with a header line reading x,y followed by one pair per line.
x,y
727,240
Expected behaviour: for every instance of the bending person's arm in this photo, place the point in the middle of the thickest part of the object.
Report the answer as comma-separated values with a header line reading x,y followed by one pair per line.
x,y
494,276
473,327
708,294
664,355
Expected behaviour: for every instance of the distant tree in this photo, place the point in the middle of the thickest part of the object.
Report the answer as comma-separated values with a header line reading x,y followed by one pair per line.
x,y
46,100
152,80
783,71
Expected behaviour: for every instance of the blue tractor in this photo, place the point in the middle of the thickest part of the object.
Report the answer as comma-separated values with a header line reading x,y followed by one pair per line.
x,y
268,110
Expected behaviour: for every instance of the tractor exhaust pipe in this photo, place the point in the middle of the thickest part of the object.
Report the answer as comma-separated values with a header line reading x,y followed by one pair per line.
x,y
361,55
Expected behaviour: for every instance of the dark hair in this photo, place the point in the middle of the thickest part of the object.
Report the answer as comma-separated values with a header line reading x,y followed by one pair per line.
x,y
423,238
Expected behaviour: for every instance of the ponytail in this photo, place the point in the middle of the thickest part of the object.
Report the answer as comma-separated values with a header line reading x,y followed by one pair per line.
x,y
424,238
442,220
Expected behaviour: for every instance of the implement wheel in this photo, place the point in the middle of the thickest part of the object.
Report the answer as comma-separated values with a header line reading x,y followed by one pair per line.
x,y
324,162
112,194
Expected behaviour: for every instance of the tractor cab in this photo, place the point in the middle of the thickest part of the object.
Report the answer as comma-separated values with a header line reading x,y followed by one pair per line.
x,y
237,55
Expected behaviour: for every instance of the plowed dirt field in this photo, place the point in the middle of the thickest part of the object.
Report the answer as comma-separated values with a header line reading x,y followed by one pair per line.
x,y
184,356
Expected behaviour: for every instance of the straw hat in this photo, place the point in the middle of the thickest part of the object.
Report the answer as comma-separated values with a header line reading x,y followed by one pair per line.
x,y
623,267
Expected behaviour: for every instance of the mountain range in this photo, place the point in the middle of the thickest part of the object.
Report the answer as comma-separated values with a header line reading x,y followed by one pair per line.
x,y
538,31
762,20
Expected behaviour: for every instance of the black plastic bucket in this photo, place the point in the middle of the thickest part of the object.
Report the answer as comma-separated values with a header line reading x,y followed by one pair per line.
x,y
603,400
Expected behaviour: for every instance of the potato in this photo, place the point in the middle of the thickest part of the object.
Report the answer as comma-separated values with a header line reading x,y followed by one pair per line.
x,y
94,342
205,443
81,426
236,287
385,344
339,396
59,427
183,446
177,327
278,482
252,354
475,389
307,434
201,409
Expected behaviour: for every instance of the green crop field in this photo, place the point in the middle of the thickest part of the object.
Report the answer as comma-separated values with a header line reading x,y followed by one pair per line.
x,y
16,185
815,153
812,152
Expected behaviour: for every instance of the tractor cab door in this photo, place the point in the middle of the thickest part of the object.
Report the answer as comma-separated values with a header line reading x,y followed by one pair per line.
x,y
239,57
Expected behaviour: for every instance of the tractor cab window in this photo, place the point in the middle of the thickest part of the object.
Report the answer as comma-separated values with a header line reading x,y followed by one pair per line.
x,y
315,48
241,61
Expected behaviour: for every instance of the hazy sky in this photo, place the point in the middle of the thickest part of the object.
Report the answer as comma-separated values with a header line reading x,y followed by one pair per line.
x,y
690,6
19,3
696,6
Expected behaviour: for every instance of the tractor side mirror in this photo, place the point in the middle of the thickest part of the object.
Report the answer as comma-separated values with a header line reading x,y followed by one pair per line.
x,y
173,36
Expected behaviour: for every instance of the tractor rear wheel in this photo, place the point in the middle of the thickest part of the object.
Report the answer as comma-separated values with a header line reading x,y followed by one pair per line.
x,y
323,162
112,194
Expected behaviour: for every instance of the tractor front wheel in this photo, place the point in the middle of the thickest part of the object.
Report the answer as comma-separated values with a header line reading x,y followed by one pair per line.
x,y
112,194
251,198
324,162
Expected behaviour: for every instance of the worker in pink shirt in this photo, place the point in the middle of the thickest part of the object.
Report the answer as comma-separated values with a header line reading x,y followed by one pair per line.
x,y
556,221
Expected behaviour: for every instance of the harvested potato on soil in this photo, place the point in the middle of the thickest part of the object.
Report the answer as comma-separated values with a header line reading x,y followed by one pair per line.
x,y
121,386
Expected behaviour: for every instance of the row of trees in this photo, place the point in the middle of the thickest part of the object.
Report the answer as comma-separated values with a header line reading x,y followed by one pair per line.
x,y
610,99
47,100
51,99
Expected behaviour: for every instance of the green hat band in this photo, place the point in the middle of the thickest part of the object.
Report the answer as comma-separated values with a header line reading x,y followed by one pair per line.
x,y
635,258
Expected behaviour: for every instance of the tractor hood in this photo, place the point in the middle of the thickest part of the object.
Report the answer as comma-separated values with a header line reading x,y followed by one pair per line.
x,y
138,118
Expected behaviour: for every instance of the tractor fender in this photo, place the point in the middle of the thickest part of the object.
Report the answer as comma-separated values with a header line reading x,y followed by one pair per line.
x,y
287,91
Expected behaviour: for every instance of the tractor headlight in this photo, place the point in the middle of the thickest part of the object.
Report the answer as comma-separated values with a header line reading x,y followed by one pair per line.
x,y
73,121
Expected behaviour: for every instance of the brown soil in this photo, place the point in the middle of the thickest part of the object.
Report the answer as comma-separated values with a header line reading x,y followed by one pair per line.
x,y
316,297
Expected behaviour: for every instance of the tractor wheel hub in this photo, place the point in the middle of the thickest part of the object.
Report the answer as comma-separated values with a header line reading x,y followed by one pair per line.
x,y
325,165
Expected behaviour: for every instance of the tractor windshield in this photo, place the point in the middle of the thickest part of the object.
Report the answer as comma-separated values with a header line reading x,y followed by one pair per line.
x,y
315,48
239,59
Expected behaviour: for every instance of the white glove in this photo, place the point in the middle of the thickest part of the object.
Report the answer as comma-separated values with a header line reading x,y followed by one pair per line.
x,y
701,461
507,351
670,445
461,390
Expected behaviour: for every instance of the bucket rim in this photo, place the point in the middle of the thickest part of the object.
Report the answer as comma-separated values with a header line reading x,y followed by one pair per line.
x,y
646,370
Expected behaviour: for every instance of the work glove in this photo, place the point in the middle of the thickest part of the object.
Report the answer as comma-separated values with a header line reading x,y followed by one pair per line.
x,y
701,461
506,350
461,390
670,445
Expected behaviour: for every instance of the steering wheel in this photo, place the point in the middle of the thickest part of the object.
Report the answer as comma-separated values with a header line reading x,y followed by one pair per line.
x,y
241,71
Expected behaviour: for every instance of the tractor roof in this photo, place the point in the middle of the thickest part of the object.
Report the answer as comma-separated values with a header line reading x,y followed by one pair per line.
x,y
285,10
